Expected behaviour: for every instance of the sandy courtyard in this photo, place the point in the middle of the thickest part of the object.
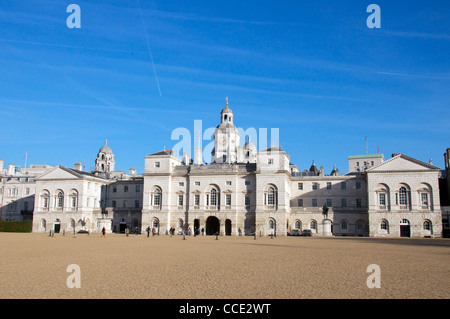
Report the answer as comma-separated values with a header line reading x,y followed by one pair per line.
x,y
35,266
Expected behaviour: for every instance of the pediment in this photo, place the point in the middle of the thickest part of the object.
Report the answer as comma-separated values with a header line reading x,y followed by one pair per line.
x,y
59,172
402,163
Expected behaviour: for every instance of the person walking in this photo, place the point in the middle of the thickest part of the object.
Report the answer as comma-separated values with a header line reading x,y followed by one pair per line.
x,y
148,231
203,231
127,231
103,232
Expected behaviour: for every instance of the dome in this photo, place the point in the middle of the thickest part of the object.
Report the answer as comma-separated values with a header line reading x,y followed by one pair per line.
x,y
106,149
250,146
226,110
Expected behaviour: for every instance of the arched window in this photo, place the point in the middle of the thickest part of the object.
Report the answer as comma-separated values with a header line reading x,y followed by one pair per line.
x,y
44,199
427,225
271,224
403,196
271,196
384,225
155,224
157,197
59,199
213,198
313,225
297,225
344,225
180,223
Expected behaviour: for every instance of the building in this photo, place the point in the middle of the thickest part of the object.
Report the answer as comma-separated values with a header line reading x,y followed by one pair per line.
x,y
242,191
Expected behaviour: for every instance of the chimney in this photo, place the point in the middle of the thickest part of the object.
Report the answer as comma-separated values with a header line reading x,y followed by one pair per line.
x,y
185,158
431,161
132,171
1,166
11,169
78,166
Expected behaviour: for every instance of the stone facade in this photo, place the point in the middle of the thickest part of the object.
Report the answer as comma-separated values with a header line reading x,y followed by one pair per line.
x,y
242,192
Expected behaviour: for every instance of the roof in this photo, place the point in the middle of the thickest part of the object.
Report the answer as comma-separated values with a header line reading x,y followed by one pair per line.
x,y
366,156
408,158
105,148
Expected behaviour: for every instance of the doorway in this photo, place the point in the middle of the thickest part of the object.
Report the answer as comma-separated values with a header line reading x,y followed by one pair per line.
x,y
57,226
196,227
405,228
212,225
228,227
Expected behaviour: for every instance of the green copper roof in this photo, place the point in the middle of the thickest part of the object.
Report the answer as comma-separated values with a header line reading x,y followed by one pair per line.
x,y
366,156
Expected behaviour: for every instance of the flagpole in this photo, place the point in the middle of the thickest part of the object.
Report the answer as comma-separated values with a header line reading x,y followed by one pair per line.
x,y
26,159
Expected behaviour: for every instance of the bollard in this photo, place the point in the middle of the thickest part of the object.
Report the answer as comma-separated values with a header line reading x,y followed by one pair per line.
x,y
184,238
254,236
271,236
217,236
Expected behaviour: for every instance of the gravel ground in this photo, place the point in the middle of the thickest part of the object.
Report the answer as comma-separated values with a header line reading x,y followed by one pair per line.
x,y
35,266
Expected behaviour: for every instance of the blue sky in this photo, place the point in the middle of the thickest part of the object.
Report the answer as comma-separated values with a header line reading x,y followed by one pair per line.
x,y
313,69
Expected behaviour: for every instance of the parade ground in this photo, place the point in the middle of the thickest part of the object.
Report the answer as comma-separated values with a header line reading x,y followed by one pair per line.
x,y
203,267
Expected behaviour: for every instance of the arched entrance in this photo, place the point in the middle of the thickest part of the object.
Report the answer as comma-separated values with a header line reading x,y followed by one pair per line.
x,y
228,227
57,226
212,225
405,228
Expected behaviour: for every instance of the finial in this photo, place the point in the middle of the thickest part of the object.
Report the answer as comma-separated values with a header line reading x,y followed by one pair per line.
x,y
106,142
227,100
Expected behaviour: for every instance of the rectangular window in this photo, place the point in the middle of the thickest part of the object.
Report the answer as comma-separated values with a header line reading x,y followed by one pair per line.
x,y
228,200
314,202
358,185
328,185
228,182
424,197
358,202
315,186
343,185
300,203
197,200
247,183
27,191
344,202
180,200
157,164
113,203
329,202
180,183
136,203
270,161
125,189
114,189
357,164
138,188
300,186
382,197
247,200
45,202
124,203
197,183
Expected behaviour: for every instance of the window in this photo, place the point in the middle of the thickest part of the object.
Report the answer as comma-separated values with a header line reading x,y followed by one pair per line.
x,y
271,224
247,200
343,185
114,189
136,203
358,202
297,225
358,185
197,183
197,200
382,199
27,191
157,197
328,185
300,203
87,202
247,183
300,186
157,164
314,202
228,182
228,200
357,164
344,202
384,225
402,196
270,161
426,225
213,199
60,200
180,183
424,198
271,196
313,225
315,185
180,200
124,203
138,188
45,202
125,189
113,203
74,202
372,163
329,202
344,225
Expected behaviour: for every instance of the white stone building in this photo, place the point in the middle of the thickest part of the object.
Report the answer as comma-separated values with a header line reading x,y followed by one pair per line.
x,y
242,191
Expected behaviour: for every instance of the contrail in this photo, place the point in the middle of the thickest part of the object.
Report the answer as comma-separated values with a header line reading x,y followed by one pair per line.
x,y
148,46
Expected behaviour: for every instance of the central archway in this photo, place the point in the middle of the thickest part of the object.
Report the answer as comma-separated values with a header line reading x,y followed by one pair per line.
x,y
212,225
